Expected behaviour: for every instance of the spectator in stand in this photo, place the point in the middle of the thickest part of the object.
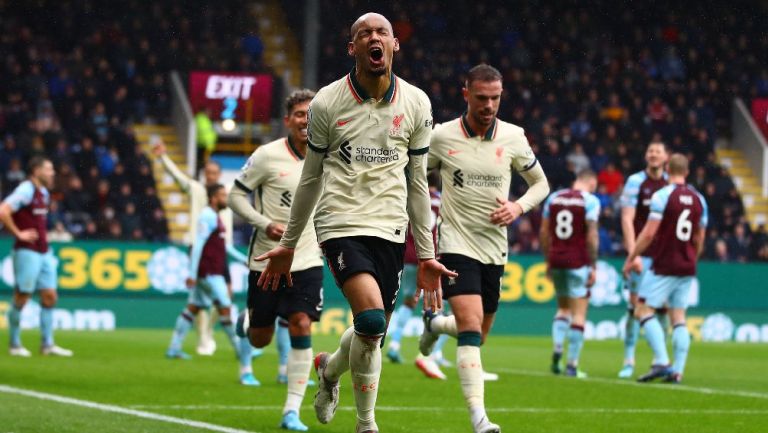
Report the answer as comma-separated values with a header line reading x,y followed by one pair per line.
x,y
739,244
611,179
578,160
13,176
206,137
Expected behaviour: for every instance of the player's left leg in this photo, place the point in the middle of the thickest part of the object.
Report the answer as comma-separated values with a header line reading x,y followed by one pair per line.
x,y
20,299
183,325
46,284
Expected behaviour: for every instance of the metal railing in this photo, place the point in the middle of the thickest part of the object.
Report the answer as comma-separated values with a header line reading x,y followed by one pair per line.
x,y
750,140
184,122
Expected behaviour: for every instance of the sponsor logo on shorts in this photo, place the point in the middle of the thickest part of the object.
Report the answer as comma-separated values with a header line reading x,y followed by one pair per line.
x,y
451,281
340,261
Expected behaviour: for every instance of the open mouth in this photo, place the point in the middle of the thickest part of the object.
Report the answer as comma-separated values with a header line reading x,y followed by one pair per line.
x,y
303,131
376,54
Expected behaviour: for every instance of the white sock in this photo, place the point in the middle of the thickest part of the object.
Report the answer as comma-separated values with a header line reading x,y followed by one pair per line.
x,y
470,369
444,325
394,345
282,370
338,362
365,363
299,365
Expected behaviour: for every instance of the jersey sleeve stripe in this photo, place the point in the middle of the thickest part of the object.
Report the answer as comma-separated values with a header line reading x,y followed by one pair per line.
x,y
421,151
315,148
530,166
242,186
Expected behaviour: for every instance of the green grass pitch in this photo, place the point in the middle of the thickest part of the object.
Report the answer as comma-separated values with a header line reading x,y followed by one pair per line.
x,y
726,389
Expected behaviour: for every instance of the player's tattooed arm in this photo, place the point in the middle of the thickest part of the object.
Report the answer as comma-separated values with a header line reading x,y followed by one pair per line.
x,y
698,240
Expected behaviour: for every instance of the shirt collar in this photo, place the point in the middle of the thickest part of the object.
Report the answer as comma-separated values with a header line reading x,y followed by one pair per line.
x,y
292,149
469,133
361,95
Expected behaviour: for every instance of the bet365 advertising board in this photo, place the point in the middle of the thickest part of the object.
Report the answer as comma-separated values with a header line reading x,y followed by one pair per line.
x,y
109,285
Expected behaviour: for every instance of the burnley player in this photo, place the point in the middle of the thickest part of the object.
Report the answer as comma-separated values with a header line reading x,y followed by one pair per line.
x,y
198,200
25,214
635,202
477,154
677,223
366,172
207,267
569,241
274,170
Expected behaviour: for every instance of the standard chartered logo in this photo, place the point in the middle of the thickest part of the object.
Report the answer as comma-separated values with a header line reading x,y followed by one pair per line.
x,y
370,155
168,270
477,180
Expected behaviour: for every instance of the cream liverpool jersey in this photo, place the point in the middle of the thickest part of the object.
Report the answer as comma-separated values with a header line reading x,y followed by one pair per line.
x,y
272,174
367,145
476,171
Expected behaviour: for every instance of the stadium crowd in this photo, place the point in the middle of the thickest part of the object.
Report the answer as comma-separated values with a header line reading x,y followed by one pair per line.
x,y
592,85
77,75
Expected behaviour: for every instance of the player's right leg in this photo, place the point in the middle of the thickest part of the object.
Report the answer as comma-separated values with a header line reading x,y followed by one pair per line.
x,y
681,338
653,294
262,309
183,325
562,319
27,265
631,326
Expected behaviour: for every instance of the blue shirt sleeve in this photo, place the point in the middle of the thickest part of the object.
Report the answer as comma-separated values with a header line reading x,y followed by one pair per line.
x,y
659,202
704,221
206,224
631,191
592,207
545,210
21,196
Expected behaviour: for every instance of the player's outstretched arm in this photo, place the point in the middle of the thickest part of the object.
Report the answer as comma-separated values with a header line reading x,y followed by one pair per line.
x,y
158,149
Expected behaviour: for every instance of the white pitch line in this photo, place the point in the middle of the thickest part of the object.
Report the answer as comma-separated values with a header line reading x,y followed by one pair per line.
x,y
117,409
490,409
672,387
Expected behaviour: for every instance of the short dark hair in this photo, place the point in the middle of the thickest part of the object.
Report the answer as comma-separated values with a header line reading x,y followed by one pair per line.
x,y
36,162
297,97
213,189
483,72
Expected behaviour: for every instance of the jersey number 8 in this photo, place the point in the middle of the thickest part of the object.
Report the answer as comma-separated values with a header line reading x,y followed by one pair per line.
x,y
564,226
